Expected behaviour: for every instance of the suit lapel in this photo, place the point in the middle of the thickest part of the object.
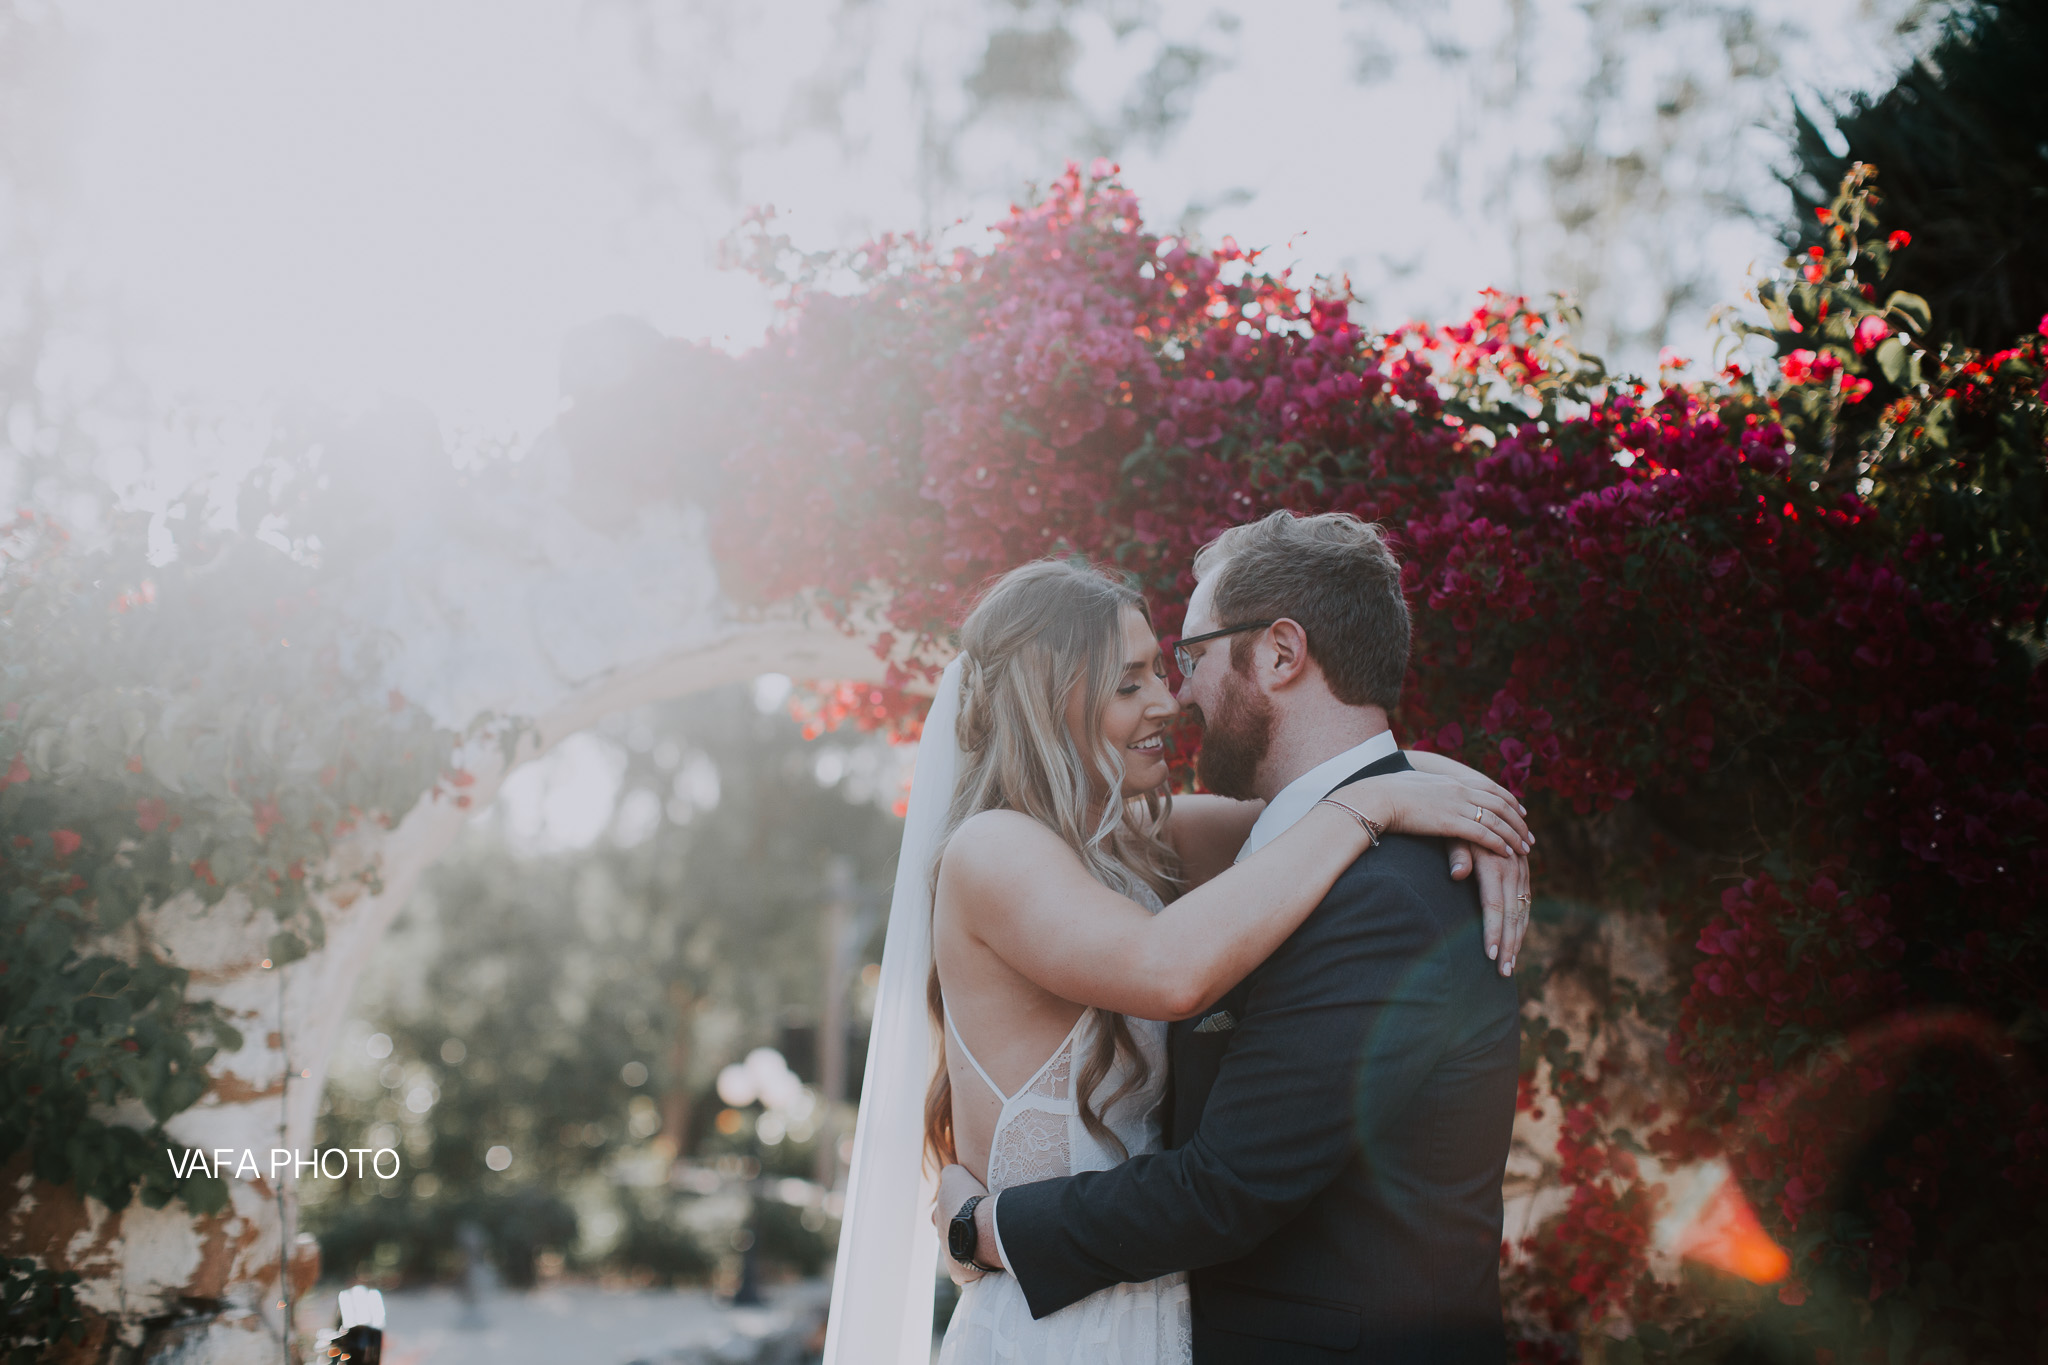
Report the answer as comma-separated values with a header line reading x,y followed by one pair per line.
x,y
1193,1059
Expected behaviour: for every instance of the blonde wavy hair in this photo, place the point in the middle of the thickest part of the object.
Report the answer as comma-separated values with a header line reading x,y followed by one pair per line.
x,y
1034,635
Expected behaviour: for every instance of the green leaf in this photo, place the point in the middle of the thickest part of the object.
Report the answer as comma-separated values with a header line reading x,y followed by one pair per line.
x,y
1913,309
286,947
1892,359
205,1194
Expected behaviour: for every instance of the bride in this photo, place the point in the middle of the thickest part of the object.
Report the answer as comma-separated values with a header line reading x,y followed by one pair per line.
x,y
1059,905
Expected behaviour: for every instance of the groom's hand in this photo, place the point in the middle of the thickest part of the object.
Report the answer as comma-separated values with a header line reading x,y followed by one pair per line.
x,y
1504,899
957,1185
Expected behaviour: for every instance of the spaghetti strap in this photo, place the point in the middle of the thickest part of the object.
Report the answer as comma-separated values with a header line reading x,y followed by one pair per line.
x,y
982,1071
968,1053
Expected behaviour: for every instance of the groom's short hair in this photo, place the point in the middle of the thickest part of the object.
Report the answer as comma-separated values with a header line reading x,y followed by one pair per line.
x,y
1335,576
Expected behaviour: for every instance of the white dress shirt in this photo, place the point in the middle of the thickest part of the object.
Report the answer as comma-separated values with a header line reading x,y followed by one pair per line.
x,y
1299,797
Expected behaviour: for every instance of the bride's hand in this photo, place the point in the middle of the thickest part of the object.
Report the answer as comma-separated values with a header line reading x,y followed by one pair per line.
x,y
1504,900
1442,765
1503,882
1443,806
956,1186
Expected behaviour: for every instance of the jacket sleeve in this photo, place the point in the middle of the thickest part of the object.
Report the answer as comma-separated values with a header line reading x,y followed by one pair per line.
x,y
1348,990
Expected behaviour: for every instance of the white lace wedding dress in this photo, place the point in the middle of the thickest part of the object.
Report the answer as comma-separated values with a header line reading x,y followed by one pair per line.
x,y
1039,1135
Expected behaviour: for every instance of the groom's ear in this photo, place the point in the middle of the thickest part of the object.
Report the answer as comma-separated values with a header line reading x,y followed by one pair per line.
x,y
1289,643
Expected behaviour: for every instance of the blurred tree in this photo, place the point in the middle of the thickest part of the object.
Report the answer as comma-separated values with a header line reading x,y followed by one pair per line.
x,y
1962,143
1619,150
571,1006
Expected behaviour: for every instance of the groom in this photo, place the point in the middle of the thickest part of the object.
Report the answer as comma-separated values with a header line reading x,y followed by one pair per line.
x,y
1338,1122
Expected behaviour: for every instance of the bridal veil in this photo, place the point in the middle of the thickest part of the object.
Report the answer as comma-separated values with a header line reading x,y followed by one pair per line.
x,y
888,1253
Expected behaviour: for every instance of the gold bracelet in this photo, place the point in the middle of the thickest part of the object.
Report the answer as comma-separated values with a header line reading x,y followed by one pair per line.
x,y
1373,828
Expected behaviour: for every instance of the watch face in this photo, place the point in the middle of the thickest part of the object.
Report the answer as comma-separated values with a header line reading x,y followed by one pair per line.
x,y
960,1237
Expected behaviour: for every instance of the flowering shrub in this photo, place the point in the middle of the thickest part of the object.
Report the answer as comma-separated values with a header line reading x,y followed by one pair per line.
x,y
183,728
1755,648
39,1308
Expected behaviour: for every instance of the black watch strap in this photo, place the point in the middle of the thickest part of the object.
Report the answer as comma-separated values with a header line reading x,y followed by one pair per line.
x,y
961,1238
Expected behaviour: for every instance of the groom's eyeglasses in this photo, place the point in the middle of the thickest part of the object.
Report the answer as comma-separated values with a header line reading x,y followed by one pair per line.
x,y
1187,661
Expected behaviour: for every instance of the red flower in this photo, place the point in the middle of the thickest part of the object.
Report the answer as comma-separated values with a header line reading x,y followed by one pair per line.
x,y
1871,331
1899,239
65,842
17,771
1854,390
1803,365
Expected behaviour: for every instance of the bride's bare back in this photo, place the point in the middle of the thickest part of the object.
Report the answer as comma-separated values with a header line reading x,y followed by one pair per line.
x,y
1006,1022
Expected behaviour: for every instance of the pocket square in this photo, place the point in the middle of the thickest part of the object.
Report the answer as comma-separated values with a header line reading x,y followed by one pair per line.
x,y
1222,1021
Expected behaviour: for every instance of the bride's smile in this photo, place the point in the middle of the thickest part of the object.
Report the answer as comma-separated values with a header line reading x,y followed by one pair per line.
x,y
1134,719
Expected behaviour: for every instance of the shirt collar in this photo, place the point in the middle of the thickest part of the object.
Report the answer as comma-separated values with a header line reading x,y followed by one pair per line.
x,y
1299,797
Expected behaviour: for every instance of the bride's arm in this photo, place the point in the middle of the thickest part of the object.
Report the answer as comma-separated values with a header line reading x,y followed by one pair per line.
x,y
1207,831
1024,894
1503,882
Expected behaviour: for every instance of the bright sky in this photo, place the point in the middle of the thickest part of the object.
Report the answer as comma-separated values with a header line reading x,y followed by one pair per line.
x,y
378,197
361,198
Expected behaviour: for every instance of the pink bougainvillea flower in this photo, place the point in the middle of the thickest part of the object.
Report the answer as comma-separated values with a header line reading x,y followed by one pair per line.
x,y
1798,366
1871,331
1815,272
65,841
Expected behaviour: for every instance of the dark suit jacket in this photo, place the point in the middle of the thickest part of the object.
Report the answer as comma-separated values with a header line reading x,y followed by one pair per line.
x,y
1333,1174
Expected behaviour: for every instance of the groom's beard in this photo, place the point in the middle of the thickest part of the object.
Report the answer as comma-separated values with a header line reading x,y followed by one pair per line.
x,y
1235,740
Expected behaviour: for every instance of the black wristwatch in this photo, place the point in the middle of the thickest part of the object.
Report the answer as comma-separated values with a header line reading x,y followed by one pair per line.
x,y
961,1239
